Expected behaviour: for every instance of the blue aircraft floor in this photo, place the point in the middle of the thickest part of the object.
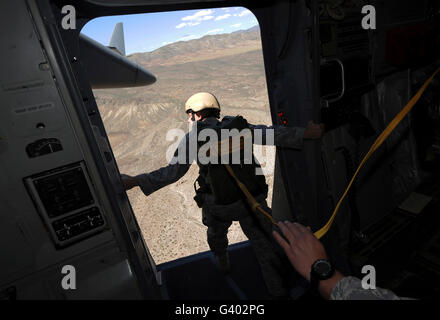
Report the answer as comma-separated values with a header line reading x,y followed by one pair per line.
x,y
197,277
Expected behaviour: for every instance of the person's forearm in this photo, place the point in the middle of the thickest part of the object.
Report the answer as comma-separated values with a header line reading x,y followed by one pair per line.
x,y
153,181
133,182
281,136
326,286
351,288
289,137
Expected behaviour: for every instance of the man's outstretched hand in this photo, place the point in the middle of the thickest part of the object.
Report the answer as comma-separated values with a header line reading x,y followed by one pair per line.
x,y
129,181
313,131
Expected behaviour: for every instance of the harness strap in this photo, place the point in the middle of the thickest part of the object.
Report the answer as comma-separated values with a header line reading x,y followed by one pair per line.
x,y
254,203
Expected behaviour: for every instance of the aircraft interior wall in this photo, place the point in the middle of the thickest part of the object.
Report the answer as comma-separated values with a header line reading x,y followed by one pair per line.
x,y
355,121
56,212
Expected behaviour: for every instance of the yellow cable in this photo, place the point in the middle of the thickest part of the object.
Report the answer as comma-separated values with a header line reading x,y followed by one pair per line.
x,y
253,202
393,124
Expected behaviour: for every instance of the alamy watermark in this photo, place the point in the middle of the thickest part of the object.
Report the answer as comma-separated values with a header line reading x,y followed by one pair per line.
x,y
227,146
69,20
369,280
69,280
369,21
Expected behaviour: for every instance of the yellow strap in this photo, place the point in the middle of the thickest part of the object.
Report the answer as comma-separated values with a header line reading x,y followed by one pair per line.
x,y
254,203
393,124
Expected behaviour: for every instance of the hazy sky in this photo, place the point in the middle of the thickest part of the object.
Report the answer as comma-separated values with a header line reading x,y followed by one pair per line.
x,y
149,31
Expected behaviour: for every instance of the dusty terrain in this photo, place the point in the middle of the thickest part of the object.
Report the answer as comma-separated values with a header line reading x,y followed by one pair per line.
x,y
138,119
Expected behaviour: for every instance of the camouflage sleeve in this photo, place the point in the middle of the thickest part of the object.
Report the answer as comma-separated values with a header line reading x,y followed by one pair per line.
x,y
350,288
176,169
153,181
288,137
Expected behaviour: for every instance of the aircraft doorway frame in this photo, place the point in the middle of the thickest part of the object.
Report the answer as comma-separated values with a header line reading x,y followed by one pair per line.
x,y
90,132
290,90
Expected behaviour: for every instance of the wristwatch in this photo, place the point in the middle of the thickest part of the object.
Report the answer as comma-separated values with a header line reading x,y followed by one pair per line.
x,y
321,270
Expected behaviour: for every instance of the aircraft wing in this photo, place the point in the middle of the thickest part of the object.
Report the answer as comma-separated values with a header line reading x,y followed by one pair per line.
x,y
108,67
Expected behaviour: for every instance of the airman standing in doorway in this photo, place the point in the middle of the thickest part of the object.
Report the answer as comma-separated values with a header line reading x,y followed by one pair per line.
x,y
218,195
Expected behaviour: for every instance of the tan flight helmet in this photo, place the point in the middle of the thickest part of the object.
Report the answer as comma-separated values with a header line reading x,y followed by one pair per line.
x,y
200,101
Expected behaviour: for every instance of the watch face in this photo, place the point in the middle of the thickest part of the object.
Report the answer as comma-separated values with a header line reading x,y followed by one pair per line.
x,y
323,269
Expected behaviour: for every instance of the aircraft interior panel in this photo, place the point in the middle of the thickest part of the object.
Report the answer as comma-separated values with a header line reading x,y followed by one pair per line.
x,y
66,202
56,211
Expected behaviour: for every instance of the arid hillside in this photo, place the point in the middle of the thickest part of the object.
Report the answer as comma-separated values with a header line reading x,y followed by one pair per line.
x,y
137,121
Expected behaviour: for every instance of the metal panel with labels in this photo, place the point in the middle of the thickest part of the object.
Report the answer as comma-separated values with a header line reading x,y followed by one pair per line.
x,y
67,203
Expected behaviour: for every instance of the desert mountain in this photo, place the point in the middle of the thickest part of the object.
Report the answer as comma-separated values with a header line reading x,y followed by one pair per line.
x,y
137,121
206,48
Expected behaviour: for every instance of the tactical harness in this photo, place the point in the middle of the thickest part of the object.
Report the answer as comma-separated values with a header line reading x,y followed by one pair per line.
x,y
216,178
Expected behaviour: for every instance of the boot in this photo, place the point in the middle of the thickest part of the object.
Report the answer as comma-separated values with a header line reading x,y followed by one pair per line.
x,y
223,262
